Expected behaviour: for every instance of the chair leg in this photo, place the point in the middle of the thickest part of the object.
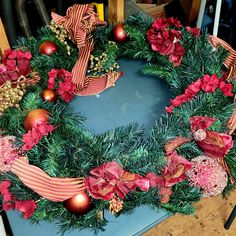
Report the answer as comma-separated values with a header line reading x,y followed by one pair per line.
x,y
230,219
6,223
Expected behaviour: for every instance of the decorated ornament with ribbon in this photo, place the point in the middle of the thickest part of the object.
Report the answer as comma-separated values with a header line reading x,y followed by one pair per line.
x,y
80,21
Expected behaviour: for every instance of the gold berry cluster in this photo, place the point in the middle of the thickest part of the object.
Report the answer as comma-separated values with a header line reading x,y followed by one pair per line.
x,y
97,64
10,95
61,34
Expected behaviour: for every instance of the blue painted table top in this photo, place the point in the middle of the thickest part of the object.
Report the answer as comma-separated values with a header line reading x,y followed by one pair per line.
x,y
134,98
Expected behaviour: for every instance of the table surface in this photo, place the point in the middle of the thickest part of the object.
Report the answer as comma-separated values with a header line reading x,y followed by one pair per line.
x,y
134,98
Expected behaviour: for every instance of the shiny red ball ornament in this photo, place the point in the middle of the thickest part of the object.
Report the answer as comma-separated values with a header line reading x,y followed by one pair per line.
x,y
49,95
119,33
78,204
35,117
48,47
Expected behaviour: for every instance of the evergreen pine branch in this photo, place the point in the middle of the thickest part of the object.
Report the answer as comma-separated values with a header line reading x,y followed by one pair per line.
x,y
11,120
181,199
167,72
140,20
231,161
31,100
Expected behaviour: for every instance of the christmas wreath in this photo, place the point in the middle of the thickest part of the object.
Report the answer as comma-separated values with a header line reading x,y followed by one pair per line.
x,y
53,168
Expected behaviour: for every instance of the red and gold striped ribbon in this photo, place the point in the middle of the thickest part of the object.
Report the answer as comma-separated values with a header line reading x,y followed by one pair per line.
x,y
79,22
53,189
231,59
230,63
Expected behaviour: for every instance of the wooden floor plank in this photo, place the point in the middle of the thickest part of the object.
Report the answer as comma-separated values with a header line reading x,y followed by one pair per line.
x,y
211,214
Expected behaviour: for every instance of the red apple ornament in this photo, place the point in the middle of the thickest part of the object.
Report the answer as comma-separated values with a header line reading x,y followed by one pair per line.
x,y
119,33
48,47
78,204
35,117
49,95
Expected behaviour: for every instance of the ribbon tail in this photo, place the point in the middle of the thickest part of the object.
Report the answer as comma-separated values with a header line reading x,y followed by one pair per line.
x,y
80,68
95,85
232,123
53,189
57,18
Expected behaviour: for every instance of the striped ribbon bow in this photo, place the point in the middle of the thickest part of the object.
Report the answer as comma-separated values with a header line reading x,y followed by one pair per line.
x,y
51,188
79,22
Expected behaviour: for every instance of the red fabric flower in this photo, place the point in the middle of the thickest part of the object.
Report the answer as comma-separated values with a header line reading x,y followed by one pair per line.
x,y
226,88
165,40
176,56
175,170
214,144
66,89
193,88
210,83
195,31
61,81
14,64
109,180
173,173
4,185
27,207
6,206
207,83
33,136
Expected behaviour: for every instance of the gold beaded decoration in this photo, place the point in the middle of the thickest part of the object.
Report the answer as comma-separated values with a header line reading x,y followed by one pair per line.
x,y
11,93
61,34
10,96
97,64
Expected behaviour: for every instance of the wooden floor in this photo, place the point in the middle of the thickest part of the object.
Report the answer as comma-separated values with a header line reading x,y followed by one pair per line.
x,y
209,220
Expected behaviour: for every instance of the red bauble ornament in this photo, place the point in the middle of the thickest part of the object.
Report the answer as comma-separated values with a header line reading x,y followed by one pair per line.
x,y
78,204
49,95
119,33
35,117
48,47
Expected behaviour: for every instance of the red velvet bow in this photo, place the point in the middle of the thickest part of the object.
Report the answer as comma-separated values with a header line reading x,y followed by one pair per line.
x,y
109,179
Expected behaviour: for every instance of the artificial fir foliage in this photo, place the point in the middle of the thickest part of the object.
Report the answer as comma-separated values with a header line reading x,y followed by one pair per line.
x,y
72,151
